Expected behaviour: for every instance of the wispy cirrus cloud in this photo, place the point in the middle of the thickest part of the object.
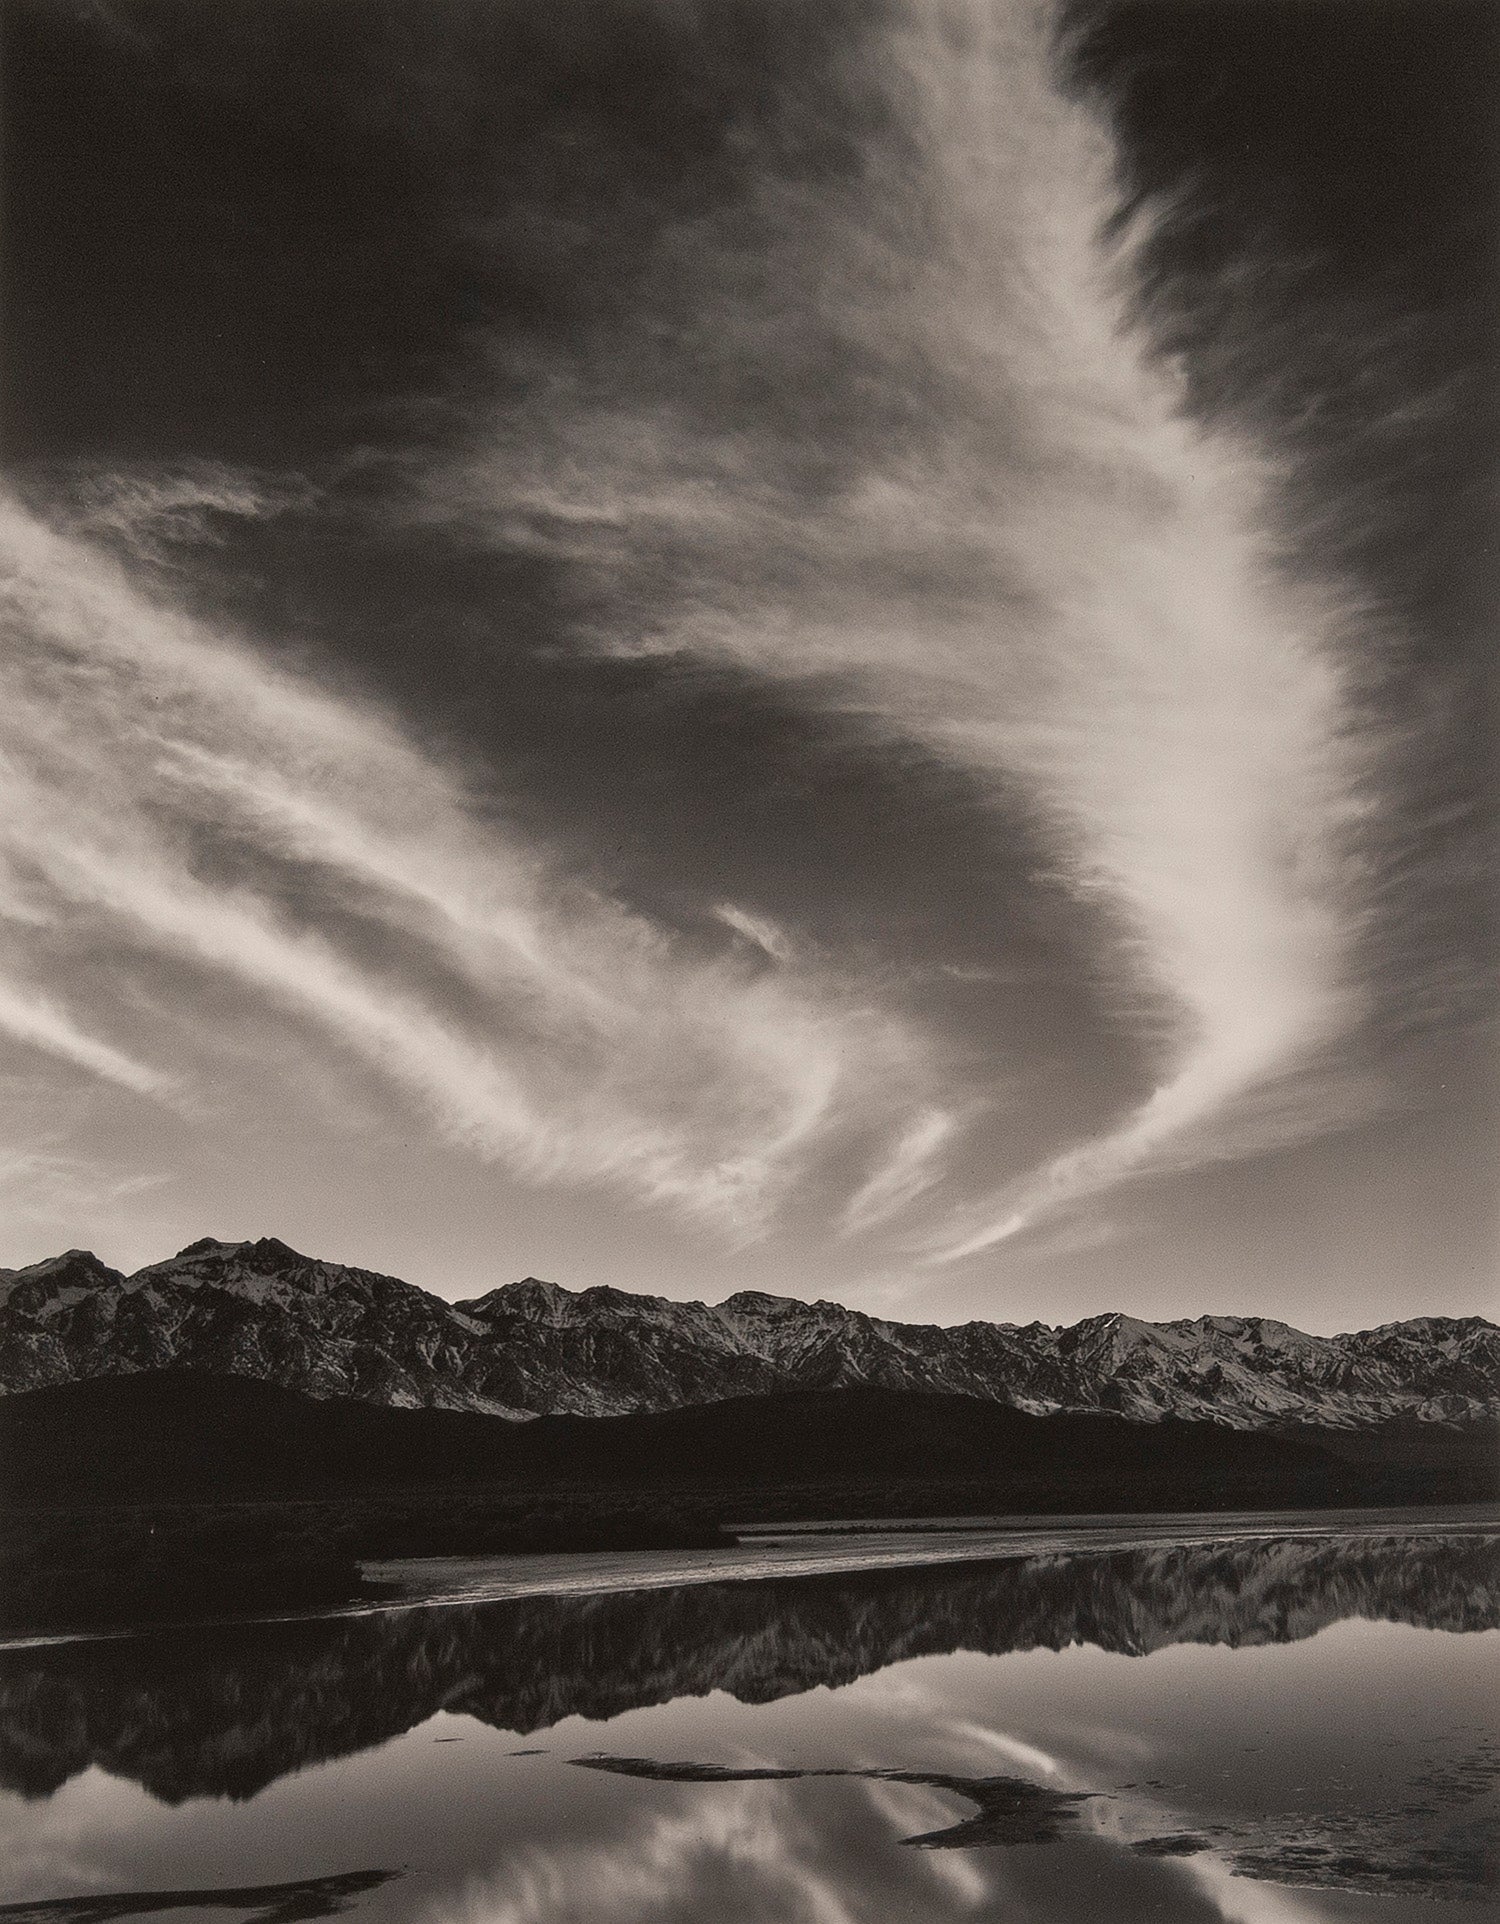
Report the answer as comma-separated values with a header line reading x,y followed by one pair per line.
x,y
911,1168
196,835
1012,542
759,930
44,1188
151,513
780,1859
29,1017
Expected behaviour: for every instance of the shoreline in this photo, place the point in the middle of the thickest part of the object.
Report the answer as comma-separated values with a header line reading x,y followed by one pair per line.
x,y
771,1552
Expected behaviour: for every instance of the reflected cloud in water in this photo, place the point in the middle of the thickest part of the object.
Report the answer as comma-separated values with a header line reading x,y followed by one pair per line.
x,y
1247,1732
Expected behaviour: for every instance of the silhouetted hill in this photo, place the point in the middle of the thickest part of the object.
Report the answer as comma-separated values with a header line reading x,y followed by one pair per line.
x,y
178,1436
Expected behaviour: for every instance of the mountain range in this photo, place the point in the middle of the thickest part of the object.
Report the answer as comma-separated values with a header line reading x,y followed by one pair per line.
x,y
532,1348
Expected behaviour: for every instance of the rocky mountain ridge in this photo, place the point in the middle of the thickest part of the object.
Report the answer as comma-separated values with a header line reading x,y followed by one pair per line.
x,y
261,1309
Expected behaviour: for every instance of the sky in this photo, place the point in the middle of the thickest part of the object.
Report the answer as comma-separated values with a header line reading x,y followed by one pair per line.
x,y
715,644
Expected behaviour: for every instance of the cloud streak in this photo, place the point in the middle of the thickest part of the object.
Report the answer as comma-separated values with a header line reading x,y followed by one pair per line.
x,y
33,1019
201,840
756,929
911,1168
1024,553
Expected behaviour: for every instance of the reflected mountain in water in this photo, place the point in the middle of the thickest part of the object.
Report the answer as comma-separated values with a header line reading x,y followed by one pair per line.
x,y
226,1710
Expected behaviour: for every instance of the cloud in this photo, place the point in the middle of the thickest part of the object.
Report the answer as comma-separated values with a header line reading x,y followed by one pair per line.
x,y
205,843
1006,538
908,1171
42,1186
764,1850
31,1018
1038,1763
756,929
678,1865
1239,1900
151,513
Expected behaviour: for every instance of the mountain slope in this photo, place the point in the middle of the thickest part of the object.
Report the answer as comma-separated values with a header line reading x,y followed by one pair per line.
x,y
178,1436
530,1348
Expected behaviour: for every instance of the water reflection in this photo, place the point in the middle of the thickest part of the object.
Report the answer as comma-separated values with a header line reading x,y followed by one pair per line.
x,y
1007,1810
1140,1733
293,1903
227,1710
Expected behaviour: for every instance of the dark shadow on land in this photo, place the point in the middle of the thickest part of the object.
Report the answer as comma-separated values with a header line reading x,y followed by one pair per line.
x,y
226,1710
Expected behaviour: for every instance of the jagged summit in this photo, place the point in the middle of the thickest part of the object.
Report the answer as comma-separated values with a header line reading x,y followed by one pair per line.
x,y
756,1302
266,1253
262,1309
532,1297
73,1275
70,1259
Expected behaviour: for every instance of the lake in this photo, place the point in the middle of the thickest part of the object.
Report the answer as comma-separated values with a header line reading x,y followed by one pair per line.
x,y
1264,1720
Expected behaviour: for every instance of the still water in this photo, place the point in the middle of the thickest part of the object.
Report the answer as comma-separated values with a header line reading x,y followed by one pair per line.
x,y
1268,1728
